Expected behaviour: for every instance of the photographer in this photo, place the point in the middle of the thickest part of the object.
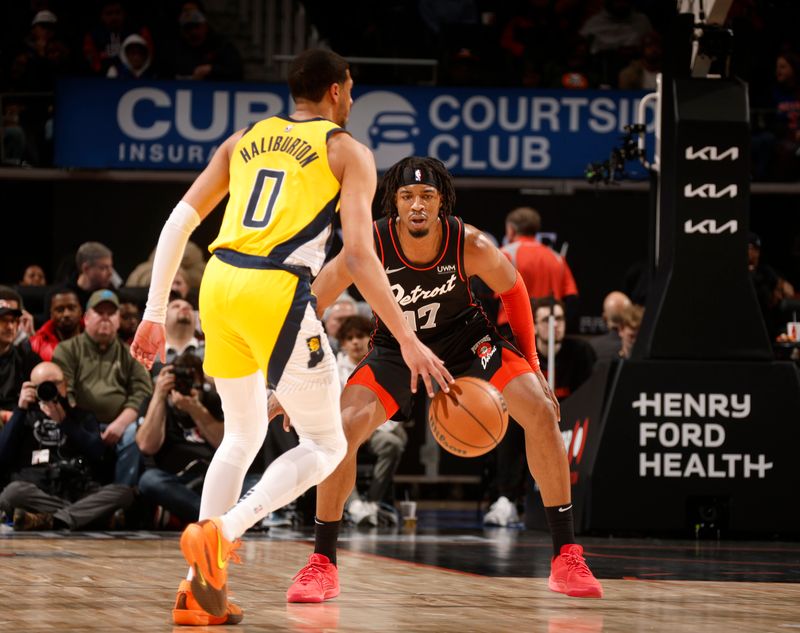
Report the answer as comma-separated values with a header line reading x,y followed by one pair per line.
x,y
180,430
53,453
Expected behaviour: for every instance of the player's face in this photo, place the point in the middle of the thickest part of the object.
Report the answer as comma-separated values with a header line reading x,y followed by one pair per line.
x,y
345,102
418,208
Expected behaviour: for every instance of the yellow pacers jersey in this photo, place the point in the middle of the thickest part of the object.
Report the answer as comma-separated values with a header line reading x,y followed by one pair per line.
x,y
283,195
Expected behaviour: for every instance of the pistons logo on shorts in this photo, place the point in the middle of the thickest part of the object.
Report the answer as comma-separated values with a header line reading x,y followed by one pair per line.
x,y
485,350
316,353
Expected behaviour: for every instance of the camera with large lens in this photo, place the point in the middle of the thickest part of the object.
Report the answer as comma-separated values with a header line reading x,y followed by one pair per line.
x,y
47,391
184,379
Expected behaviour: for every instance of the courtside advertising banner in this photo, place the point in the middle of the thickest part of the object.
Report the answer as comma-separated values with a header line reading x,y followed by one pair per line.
x,y
176,125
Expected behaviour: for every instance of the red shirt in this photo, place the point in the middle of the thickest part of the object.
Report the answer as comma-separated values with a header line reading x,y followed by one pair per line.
x,y
543,270
45,340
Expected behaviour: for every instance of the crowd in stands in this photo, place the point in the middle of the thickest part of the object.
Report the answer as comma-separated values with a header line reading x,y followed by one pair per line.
x,y
564,44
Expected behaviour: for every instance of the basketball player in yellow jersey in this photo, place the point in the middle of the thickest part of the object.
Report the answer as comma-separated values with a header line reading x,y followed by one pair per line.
x,y
286,175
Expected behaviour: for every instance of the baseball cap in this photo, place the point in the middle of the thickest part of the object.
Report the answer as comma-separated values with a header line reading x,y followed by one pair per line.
x,y
754,239
101,296
44,17
7,307
192,16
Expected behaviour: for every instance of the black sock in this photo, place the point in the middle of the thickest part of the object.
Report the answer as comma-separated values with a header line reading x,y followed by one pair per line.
x,y
326,533
559,518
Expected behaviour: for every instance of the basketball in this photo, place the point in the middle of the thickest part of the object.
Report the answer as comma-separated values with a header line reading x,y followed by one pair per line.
x,y
471,419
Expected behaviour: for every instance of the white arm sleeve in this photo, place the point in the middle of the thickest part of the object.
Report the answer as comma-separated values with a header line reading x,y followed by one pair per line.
x,y
169,252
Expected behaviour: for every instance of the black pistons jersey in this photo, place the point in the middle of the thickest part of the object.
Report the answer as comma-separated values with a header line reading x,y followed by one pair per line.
x,y
434,297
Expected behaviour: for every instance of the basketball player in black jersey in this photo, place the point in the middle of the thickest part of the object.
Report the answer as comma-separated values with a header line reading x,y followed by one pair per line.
x,y
429,256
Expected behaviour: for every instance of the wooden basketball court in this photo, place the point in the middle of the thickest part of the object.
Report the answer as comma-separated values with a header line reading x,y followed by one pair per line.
x,y
407,582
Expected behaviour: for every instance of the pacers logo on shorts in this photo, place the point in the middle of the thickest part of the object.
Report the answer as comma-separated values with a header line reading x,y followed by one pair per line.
x,y
315,351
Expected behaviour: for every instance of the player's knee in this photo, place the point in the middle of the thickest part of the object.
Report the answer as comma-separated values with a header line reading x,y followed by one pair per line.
x,y
357,428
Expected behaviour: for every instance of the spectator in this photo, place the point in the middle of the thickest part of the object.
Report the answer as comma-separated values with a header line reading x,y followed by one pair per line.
x,y
44,57
33,276
342,308
104,43
608,345
573,71
104,379
388,441
775,150
129,317
202,53
771,288
66,321
134,60
181,427
528,40
54,454
574,358
544,272
179,284
617,26
641,73
95,270
192,266
615,34
629,328
10,298
14,139
180,332
574,361
16,361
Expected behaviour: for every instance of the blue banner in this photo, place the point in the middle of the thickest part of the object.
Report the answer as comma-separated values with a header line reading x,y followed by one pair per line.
x,y
474,131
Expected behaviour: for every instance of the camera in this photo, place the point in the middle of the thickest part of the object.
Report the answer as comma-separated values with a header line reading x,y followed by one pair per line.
x,y
47,391
613,169
184,380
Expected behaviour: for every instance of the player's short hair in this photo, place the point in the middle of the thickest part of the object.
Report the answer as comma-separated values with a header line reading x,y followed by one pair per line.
x,y
432,171
525,221
355,324
90,252
313,71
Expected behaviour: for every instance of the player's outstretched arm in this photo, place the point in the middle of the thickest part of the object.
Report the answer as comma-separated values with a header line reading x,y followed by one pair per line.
x,y
202,197
484,259
353,164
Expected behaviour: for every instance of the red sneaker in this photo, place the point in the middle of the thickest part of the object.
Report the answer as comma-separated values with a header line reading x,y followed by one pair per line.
x,y
316,582
570,574
189,613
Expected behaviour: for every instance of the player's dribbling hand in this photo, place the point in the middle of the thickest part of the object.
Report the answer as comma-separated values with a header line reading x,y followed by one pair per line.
x,y
149,343
424,364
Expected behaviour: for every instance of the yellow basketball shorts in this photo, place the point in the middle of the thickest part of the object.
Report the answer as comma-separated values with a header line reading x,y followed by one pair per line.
x,y
264,320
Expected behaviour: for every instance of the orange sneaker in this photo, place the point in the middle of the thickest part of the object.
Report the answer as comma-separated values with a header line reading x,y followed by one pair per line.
x,y
207,551
570,574
189,613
